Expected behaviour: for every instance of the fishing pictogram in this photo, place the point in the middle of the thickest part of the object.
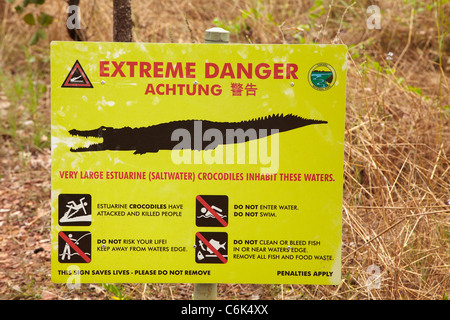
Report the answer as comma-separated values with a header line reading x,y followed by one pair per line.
x,y
74,247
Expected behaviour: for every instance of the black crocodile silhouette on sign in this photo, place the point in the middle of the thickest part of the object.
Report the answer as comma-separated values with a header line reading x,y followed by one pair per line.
x,y
166,136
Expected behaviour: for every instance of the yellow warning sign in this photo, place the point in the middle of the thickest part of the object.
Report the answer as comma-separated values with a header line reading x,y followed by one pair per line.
x,y
197,163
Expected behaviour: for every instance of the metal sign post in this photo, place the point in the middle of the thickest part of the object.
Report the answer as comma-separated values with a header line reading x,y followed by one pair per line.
x,y
208,291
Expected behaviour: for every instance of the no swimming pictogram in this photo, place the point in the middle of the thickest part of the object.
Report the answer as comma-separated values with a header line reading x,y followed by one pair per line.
x,y
211,211
77,78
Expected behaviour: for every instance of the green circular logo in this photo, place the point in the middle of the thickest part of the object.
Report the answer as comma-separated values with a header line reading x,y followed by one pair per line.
x,y
322,76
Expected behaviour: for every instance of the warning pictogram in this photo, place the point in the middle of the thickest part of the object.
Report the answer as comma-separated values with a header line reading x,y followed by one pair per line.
x,y
211,211
77,78
211,247
74,209
74,247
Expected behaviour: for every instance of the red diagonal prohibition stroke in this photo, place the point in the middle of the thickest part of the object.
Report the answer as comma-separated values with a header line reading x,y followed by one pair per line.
x,y
208,207
209,245
74,247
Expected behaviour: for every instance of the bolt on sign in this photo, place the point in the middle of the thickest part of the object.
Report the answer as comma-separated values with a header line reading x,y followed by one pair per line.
x,y
197,163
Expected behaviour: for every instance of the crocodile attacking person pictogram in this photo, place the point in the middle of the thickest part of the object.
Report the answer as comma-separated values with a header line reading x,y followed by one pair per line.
x,y
166,136
74,209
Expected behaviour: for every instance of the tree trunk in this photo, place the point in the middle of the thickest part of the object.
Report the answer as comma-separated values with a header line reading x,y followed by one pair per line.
x,y
122,22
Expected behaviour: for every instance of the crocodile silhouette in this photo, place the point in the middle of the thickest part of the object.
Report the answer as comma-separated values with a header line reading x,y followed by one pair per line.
x,y
165,136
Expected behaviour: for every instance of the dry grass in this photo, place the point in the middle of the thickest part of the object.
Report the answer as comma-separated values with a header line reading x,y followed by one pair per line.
x,y
396,190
